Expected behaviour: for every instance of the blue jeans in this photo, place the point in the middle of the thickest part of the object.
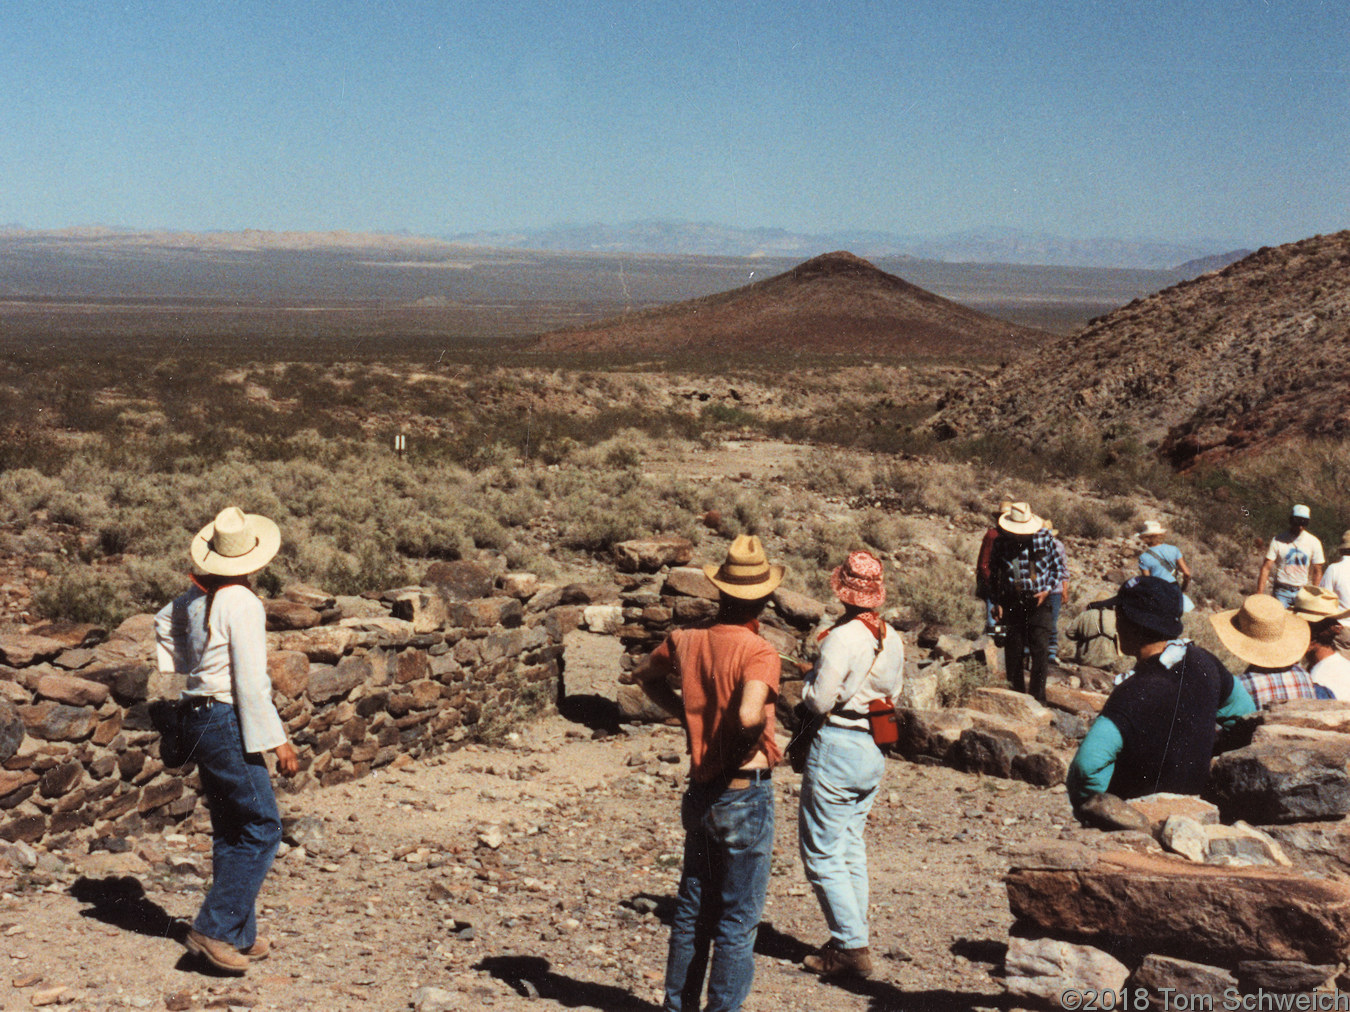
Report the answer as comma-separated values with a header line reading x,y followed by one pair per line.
x,y
1284,593
839,784
728,846
1056,603
245,824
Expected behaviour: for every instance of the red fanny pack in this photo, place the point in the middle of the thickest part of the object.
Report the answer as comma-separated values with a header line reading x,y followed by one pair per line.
x,y
882,722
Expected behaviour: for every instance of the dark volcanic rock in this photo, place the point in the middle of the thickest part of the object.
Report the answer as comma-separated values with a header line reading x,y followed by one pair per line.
x,y
1289,782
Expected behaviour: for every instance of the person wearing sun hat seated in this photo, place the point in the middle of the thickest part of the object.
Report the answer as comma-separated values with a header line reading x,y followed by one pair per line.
x,y
1272,640
1156,731
215,634
729,676
1328,669
861,661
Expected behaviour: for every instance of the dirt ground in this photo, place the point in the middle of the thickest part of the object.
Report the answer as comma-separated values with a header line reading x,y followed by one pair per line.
x,y
538,874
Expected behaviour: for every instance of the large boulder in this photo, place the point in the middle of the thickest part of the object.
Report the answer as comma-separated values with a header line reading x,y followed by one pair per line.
x,y
1158,973
460,580
690,581
1175,908
1283,782
72,634
72,691
58,722
647,555
283,614
327,683
798,609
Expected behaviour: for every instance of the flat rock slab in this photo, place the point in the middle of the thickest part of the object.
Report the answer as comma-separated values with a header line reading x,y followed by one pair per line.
x,y
22,649
647,555
799,609
1079,701
1174,908
1157,973
1016,707
1158,808
1323,714
690,581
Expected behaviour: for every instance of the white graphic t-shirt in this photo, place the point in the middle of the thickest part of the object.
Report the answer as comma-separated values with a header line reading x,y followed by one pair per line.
x,y
1293,557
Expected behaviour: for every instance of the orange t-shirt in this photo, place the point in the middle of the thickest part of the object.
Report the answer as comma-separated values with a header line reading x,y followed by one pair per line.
x,y
713,664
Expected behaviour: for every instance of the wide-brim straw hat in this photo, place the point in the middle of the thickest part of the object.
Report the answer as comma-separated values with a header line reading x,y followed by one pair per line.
x,y
235,543
858,581
1317,603
1263,632
1152,527
1345,541
1018,519
746,573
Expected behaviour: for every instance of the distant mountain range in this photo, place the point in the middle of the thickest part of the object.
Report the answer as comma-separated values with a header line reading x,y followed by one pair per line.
x,y
994,246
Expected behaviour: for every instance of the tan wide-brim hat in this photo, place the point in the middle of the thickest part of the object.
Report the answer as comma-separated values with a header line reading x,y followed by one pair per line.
x,y
235,543
1018,519
1263,632
1152,527
746,573
1345,541
1316,603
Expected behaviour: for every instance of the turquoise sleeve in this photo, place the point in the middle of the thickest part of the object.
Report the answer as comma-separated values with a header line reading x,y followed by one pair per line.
x,y
1238,704
1095,762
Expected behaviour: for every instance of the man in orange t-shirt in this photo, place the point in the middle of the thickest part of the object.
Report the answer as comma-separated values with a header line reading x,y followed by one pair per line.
x,y
728,677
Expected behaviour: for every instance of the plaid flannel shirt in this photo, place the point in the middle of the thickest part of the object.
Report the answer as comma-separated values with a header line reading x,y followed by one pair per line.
x,y
1267,687
1036,558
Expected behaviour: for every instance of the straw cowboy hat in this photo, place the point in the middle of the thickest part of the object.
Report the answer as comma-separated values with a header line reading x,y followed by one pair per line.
x,y
746,573
235,543
1152,527
1345,542
1018,519
1317,603
1263,633
858,581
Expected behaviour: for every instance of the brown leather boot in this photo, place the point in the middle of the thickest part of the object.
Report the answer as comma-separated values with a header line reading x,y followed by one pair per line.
x,y
221,955
261,947
834,962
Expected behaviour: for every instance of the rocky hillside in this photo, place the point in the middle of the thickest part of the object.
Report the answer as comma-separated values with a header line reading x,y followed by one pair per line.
x,y
1256,352
834,303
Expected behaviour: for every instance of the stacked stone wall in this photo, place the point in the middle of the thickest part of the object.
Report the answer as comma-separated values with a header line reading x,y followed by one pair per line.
x,y
358,682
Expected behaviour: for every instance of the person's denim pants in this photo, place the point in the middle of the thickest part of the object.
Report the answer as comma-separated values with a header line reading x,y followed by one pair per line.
x,y
245,824
839,784
728,847
1028,628
1284,593
1056,600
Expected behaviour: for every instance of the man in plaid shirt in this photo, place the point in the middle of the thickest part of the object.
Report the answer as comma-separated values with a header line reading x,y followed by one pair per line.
x,y
1026,569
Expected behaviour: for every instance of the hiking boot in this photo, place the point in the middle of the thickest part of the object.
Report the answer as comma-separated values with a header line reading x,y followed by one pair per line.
x,y
261,947
834,962
221,955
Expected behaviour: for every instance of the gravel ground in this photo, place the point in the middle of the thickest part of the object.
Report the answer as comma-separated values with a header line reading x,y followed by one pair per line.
x,y
537,875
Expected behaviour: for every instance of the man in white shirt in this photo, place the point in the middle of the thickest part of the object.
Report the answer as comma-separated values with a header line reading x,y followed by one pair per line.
x,y
1294,559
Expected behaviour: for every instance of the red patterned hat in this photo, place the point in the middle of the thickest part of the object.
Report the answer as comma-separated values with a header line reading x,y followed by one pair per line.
x,y
858,581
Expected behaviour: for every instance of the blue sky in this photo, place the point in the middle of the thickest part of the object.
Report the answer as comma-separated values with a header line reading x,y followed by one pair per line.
x,y
1225,119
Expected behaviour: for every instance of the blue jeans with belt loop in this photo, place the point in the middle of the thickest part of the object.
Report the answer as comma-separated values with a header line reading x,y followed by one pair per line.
x,y
245,824
839,784
728,847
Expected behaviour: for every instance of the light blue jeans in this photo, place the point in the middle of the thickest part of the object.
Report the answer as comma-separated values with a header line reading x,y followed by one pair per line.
x,y
728,847
245,824
839,784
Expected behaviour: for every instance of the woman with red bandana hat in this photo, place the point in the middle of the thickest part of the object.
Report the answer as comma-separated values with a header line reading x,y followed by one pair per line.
x,y
861,661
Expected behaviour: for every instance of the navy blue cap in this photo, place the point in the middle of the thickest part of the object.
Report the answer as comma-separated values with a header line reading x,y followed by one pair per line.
x,y
1152,603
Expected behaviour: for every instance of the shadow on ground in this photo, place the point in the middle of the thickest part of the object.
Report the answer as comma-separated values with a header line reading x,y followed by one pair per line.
x,y
121,902
532,977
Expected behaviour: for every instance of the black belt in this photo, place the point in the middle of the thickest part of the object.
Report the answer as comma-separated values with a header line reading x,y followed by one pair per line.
x,y
195,702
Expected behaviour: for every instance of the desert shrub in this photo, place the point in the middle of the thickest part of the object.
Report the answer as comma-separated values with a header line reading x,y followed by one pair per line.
x,y
970,675
833,473
941,592
882,531
80,595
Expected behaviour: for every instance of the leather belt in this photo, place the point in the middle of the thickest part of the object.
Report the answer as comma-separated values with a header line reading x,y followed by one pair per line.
x,y
744,778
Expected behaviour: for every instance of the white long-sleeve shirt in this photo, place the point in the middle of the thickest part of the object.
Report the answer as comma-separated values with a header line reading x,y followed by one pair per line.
x,y
845,654
228,662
